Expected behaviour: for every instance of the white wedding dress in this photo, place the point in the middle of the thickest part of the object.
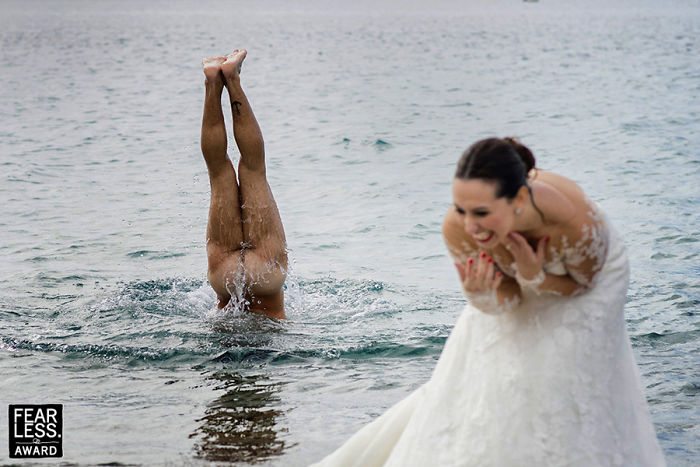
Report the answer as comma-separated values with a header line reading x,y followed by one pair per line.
x,y
553,383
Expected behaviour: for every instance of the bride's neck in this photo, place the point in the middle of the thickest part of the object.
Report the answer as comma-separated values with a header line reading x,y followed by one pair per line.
x,y
531,221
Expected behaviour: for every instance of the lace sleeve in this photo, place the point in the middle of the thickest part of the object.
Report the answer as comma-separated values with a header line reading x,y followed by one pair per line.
x,y
585,248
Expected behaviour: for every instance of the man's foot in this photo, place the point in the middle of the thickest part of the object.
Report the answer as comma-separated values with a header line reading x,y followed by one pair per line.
x,y
231,68
212,68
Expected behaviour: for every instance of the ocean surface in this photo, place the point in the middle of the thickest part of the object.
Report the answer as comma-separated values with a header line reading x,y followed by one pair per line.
x,y
365,108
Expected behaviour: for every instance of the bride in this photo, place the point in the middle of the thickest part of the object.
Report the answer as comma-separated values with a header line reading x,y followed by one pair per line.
x,y
538,369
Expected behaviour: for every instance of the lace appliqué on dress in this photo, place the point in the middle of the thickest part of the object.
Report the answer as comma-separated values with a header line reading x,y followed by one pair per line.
x,y
487,301
463,254
531,284
586,257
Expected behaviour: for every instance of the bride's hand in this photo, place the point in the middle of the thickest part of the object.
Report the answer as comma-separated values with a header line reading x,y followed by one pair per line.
x,y
479,275
529,261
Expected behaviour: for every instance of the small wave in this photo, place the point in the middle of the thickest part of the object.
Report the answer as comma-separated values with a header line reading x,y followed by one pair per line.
x,y
167,296
109,352
692,388
4,311
254,357
331,299
671,338
257,357
457,104
154,255
393,350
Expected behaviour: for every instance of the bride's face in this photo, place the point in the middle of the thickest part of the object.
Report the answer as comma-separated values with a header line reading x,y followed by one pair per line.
x,y
486,218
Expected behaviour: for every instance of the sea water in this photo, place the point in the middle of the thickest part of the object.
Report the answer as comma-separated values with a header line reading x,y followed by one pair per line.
x,y
365,108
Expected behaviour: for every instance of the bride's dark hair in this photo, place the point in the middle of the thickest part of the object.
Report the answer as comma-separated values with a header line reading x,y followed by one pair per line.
x,y
504,161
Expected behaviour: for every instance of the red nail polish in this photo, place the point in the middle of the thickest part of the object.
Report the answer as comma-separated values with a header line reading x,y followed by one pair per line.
x,y
471,260
490,260
483,255
499,275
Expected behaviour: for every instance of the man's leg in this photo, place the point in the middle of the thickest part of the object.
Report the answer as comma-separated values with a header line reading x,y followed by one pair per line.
x,y
224,228
265,256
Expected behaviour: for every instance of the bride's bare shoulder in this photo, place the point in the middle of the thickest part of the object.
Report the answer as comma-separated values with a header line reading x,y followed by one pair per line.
x,y
560,198
555,180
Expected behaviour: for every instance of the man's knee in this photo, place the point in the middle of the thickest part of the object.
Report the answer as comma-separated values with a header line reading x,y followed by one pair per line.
x,y
253,171
222,174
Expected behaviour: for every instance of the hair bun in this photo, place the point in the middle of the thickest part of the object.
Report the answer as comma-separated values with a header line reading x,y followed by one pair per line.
x,y
523,151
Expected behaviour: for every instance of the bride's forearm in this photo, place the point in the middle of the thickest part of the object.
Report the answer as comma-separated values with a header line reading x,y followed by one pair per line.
x,y
496,301
550,283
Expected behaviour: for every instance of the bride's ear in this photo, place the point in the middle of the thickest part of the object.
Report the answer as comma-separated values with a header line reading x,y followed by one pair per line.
x,y
522,197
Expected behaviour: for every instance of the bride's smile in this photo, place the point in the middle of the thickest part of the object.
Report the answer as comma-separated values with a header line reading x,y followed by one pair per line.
x,y
486,218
